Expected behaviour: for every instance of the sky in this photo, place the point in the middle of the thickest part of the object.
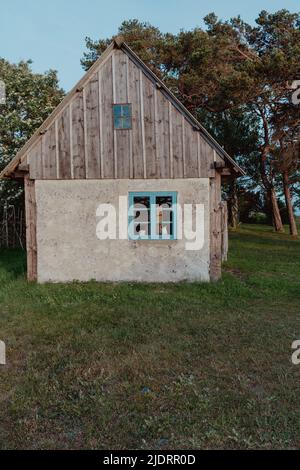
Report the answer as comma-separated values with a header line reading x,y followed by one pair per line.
x,y
51,33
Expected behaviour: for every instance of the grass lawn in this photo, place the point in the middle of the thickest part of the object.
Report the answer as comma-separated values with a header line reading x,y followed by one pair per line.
x,y
155,366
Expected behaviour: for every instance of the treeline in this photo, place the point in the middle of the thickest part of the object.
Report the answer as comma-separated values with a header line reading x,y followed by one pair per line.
x,y
238,79
30,98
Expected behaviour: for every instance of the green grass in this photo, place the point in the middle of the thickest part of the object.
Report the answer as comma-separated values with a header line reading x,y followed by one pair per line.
x,y
155,366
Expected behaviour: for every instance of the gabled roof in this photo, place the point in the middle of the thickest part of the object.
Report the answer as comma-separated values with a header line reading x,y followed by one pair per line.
x,y
120,44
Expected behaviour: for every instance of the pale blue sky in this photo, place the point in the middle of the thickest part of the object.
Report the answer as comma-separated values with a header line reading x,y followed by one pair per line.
x,y
52,33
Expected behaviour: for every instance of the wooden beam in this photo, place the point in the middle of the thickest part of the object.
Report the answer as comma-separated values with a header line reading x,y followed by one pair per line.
x,y
219,165
215,228
18,175
225,172
224,230
21,171
23,167
31,242
222,169
119,41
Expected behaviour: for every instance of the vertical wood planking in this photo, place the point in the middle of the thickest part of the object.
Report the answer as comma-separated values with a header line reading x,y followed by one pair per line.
x,y
49,153
148,100
129,98
183,146
36,160
217,158
142,104
64,144
78,137
191,151
31,242
163,136
171,140
92,128
85,134
57,149
122,137
71,138
206,159
177,144
134,83
107,121
210,152
113,66
203,158
199,154
100,120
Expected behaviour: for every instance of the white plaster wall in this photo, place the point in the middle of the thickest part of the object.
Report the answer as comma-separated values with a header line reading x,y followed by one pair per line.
x,y
68,248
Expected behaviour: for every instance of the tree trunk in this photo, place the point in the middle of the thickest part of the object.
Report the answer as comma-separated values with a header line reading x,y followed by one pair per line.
x,y
289,205
268,179
233,206
277,222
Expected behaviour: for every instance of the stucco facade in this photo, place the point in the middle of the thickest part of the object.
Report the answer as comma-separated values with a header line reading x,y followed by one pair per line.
x,y
68,248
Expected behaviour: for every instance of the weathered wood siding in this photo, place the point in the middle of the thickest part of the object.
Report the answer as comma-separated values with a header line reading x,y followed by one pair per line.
x,y
31,242
224,230
215,228
81,142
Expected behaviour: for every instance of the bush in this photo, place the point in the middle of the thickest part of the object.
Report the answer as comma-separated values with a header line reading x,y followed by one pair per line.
x,y
258,217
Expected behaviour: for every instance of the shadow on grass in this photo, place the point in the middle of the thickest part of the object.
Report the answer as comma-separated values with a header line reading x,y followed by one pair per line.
x,y
13,263
263,235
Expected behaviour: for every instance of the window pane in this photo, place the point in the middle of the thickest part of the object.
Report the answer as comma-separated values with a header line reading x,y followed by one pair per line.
x,y
165,230
164,201
167,215
117,110
141,229
126,110
122,116
126,123
164,216
142,201
141,216
118,122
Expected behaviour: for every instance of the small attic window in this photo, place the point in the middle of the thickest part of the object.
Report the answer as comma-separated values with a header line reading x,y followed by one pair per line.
x,y
122,116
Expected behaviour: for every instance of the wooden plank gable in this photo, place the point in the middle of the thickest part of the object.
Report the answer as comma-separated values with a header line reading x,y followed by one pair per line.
x,y
78,149
80,142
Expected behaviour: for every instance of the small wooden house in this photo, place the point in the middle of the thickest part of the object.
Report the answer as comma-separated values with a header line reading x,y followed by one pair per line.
x,y
121,133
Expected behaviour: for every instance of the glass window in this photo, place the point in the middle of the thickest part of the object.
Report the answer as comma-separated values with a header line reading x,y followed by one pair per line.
x,y
152,216
122,116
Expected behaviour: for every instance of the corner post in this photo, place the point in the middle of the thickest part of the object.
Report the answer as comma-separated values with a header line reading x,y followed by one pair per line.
x,y
31,242
215,228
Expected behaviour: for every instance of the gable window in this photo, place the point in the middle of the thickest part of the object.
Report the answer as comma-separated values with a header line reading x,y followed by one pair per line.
x,y
122,116
152,216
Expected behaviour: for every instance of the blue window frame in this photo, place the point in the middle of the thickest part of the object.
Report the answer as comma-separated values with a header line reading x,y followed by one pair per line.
x,y
122,116
152,215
